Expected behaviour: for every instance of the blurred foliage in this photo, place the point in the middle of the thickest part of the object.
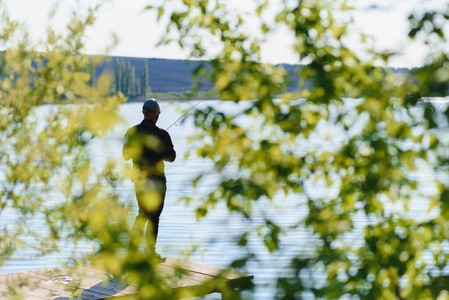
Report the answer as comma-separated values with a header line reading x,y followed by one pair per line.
x,y
380,131
44,136
52,109
51,193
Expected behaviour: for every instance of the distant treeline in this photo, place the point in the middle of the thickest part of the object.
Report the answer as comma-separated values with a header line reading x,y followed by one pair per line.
x,y
154,77
143,77
128,82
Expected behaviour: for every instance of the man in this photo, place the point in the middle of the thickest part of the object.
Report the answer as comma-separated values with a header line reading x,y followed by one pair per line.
x,y
148,146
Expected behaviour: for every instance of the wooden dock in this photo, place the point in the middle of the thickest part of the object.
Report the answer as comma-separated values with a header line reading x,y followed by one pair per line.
x,y
56,284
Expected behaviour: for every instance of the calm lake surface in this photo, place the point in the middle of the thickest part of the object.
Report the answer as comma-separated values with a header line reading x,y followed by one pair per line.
x,y
215,234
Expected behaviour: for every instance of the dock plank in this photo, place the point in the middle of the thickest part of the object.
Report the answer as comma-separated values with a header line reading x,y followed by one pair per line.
x,y
171,272
58,283
206,270
88,278
90,288
30,287
4,294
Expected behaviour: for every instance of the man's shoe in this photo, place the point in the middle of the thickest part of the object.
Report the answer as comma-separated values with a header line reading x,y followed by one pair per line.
x,y
160,258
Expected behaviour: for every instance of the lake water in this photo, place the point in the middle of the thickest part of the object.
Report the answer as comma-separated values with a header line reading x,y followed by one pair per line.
x,y
216,233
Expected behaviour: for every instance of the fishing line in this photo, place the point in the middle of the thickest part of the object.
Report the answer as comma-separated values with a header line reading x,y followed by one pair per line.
x,y
184,115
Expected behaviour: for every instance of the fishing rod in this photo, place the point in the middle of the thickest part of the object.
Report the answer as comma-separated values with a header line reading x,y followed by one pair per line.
x,y
183,115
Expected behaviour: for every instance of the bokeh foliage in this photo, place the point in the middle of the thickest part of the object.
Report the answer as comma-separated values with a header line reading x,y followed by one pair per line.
x,y
379,142
47,180
50,114
51,191
381,136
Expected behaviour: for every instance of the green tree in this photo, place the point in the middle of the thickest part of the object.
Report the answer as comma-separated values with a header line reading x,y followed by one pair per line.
x,y
144,81
137,87
132,82
382,143
93,75
118,76
127,77
124,77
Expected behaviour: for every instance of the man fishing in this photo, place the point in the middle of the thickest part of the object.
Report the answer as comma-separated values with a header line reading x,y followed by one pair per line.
x,y
148,146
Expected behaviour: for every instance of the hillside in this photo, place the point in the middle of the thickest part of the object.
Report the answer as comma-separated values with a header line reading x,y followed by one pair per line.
x,y
172,75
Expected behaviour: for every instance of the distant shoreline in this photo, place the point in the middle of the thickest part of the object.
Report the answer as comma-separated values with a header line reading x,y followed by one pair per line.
x,y
175,97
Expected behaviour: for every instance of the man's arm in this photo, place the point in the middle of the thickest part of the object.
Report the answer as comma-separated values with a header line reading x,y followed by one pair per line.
x,y
127,150
169,153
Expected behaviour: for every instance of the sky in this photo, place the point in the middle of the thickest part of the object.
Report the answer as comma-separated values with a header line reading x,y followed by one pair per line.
x,y
139,33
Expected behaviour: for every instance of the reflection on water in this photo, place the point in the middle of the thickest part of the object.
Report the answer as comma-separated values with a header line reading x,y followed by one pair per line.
x,y
215,234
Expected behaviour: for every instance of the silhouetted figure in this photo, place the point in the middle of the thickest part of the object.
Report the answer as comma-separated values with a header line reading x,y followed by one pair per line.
x,y
148,146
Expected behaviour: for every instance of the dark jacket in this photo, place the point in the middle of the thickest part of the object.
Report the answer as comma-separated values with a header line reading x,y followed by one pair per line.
x,y
148,146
